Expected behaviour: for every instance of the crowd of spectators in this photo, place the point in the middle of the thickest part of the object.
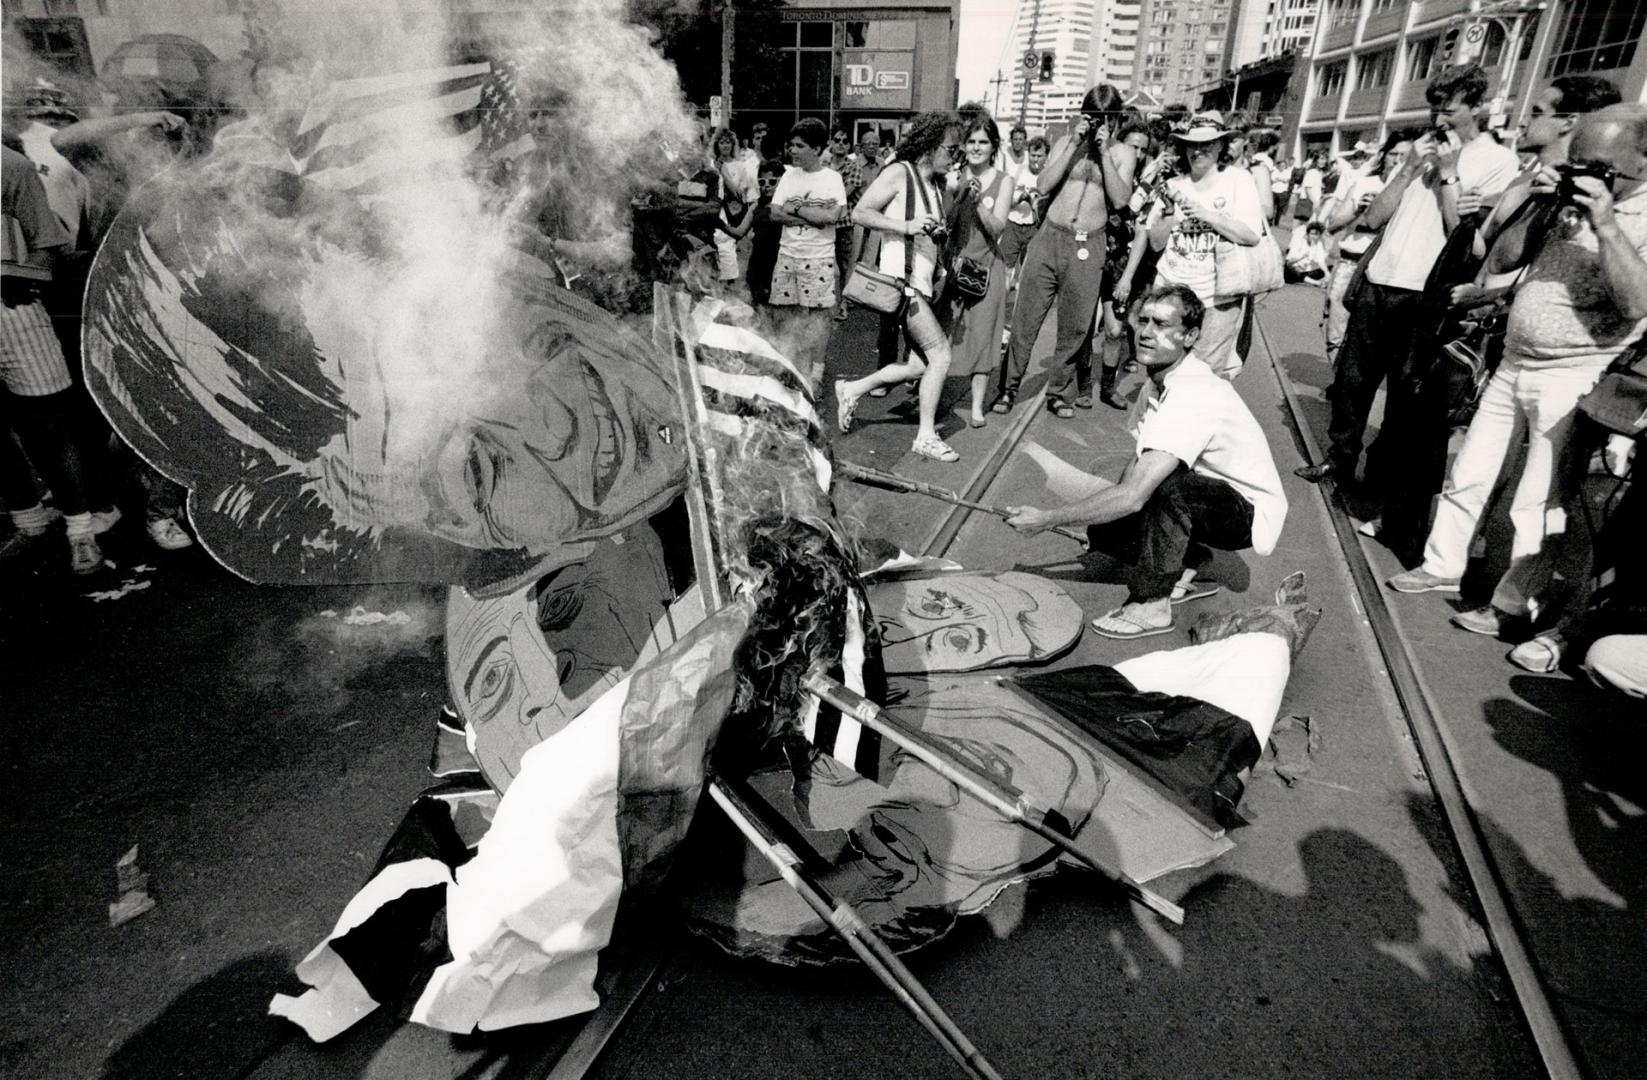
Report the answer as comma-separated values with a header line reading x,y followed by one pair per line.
x,y
1482,283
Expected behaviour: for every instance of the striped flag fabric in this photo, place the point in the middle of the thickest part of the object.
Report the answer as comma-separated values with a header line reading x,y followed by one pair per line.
x,y
756,404
356,135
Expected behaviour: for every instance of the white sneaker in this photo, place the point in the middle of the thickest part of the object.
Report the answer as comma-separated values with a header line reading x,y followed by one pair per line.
x,y
168,535
85,556
104,520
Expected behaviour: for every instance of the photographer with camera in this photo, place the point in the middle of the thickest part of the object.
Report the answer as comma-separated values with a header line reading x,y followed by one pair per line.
x,y
1087,177
1455,169
1580,302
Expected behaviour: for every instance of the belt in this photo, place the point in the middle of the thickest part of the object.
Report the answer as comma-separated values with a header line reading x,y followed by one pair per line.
x,y
1081,235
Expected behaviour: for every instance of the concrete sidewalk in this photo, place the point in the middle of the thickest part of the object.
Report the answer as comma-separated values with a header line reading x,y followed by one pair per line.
x,y
1550,764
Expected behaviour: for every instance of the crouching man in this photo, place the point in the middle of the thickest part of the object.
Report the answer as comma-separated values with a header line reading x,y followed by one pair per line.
x,y
1201,476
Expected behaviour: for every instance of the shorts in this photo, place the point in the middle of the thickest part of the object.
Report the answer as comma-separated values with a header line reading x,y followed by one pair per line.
x,y
31,359
807,283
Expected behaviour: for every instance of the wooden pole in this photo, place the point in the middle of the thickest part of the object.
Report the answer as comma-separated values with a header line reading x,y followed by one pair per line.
x,y
735,802
845,921
866,475
729,17
1004,799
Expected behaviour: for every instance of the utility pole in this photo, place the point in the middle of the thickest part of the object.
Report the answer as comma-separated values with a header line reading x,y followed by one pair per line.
x,y
1030,74
997,80
728,16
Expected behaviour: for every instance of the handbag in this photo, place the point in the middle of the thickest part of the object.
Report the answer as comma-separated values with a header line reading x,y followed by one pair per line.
x,y
970,278
1303,209
1619,401
1248,270
867,286
1470,358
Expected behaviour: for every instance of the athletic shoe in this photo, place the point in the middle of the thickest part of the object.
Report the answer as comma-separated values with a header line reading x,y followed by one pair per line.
x,y
85,556
1421,580
104,520
1487,621
168,535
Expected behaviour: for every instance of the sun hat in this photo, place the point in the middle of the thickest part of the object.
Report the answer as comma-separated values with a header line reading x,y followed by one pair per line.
x,y
1204,127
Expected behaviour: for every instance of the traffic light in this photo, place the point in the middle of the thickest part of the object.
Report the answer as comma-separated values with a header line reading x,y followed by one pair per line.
x,y
1046,65
1449,48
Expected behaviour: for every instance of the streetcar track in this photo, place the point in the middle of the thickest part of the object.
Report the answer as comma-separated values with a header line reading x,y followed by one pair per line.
x,y
1436,756
1440,761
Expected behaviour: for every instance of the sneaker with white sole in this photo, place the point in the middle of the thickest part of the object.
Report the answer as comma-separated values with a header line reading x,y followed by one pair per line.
x,y
1487,621
1422,581
168,535
85,556
104,520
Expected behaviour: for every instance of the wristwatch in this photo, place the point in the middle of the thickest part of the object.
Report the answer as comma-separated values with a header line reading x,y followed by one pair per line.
x,y
1448,181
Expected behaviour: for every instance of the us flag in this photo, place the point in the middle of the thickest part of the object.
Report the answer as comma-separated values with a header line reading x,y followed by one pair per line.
x,y
755,406
356,135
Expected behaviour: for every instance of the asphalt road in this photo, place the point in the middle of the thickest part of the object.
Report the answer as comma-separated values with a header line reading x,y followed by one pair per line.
x,y
258,750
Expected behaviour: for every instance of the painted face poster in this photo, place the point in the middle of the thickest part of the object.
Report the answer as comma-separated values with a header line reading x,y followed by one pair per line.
x,y
350,401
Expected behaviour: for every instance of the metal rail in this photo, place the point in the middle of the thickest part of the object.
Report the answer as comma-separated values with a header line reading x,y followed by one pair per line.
x,y
1504,929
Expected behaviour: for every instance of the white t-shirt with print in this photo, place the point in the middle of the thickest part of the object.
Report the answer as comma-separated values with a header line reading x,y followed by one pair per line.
x,y
1199,419
1414,236
809,241
1188,258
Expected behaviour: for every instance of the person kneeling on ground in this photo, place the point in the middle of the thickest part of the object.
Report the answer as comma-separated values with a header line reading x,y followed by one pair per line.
x,y
1201,476
1307,255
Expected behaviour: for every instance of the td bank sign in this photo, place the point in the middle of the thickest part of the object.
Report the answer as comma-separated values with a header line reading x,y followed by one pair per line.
x,y
877,80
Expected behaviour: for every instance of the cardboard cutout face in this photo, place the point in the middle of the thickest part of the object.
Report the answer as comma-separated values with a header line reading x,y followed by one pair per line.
x,y
520,667
329,434
964,622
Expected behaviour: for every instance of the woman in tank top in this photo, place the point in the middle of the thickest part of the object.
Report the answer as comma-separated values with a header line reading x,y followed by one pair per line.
x,y
904,205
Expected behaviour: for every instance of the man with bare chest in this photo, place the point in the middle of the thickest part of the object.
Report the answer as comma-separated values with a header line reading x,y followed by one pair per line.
x,y
1086,175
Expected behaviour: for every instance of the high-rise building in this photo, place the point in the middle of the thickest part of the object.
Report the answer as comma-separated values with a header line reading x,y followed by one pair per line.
x,y
1115,42
1066,29
1261,29
1182,48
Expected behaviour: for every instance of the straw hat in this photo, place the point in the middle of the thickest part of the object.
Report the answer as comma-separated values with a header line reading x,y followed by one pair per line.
x,y
1204,127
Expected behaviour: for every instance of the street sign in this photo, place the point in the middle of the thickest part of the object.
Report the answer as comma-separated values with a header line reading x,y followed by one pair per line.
x,y
1471,43
715,108
1032,60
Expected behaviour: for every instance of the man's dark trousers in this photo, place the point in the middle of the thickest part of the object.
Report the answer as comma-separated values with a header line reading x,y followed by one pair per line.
x,y
1186,509
1377,342
1054,272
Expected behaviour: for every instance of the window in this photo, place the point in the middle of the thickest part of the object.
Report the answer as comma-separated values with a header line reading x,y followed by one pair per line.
x,y
1597,35
1329,78
1342,13
1421,58
1382,5
1492,53
1373,69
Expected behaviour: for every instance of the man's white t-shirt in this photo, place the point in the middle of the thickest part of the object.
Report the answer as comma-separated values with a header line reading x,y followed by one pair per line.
x,y
809,241
1199,419
1414,238
1189,255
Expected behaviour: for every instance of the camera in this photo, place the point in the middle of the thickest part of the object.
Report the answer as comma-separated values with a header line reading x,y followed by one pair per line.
x,y
938,231
1566,189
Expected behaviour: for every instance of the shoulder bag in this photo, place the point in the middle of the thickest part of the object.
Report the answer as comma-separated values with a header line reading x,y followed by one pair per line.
x,y
969,277
1619,401
867,286
1248,270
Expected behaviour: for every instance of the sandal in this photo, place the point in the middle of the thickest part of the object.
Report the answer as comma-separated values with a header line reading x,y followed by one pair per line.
x,y
1004,402
1184,591
844,408
1057,408
1120,626
934,448
1540,655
